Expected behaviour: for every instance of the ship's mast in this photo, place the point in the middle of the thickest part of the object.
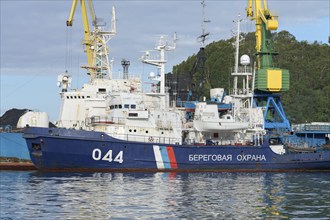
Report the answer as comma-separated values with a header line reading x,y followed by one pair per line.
x,y
204,35
160,63
238,22
199,64
243,72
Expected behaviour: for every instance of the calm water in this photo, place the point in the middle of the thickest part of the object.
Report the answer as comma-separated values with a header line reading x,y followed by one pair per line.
x,y
34,195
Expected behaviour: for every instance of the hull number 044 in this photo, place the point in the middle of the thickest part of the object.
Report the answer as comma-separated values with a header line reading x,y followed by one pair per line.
x,y
98,155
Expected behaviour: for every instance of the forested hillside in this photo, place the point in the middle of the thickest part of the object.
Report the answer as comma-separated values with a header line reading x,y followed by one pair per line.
x,y
309,64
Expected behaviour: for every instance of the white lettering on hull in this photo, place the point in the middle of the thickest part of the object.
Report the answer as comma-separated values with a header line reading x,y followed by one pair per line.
x,y
97,155
226,157
251,157
210,157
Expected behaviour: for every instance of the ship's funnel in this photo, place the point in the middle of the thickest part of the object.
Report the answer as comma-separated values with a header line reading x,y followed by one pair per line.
x,y
125,64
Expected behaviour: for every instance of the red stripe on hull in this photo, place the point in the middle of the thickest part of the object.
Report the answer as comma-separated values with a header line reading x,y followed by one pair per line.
x,y
171,156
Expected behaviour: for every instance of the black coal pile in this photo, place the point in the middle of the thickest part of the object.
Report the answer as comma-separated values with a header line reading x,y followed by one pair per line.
x,y
11,117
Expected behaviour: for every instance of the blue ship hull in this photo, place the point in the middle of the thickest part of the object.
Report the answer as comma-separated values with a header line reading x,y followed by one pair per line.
x,y
75,150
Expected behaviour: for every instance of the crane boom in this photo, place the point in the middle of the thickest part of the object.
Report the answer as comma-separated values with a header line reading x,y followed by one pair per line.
x,y
69,22
73,9
262,17
268,78
87,33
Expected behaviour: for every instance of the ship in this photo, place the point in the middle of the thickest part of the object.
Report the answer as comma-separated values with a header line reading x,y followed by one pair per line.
x,y
111,125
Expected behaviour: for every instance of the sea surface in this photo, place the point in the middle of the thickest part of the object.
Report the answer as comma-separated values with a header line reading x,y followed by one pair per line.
x,y
35,195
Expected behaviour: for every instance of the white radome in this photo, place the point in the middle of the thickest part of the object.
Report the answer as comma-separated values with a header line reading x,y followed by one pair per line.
x,y
245,60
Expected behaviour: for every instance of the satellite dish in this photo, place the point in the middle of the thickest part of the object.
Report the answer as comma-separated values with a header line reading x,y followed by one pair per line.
x,y
245,60
152,74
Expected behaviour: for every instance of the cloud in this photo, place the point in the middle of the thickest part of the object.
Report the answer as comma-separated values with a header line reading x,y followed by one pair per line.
x,y
33,33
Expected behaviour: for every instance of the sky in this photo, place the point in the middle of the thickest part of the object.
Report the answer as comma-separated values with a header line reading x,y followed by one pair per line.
x,y
36,45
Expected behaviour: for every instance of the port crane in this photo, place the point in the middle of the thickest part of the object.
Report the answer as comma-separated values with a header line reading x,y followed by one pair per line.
x,y
95,40
269,80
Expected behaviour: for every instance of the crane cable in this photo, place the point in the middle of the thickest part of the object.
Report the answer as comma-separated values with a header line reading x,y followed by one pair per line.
x,y
68,49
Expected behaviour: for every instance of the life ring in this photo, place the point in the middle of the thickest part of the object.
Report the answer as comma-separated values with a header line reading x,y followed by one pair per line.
x,y
151,139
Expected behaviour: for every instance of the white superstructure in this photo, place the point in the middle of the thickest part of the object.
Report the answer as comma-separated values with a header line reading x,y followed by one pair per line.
x,y
120,108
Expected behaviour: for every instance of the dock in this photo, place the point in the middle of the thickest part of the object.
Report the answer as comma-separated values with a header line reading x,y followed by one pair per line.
x,y
17,166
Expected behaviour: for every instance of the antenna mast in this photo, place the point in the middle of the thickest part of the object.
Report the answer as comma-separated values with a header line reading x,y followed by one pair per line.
x,y
199,64
162,47
204,34
238,22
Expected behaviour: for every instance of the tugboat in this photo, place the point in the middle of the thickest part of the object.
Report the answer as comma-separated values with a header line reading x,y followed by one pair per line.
x,y
117,127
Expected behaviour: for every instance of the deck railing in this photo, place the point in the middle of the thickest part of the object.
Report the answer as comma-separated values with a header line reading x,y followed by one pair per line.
x,y
324,128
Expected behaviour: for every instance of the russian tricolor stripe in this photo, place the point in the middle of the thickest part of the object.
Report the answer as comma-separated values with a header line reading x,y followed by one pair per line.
x,y
165,157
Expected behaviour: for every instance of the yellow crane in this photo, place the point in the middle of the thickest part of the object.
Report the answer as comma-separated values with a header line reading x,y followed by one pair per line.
x,y
95,40
87,33
262,16
268,78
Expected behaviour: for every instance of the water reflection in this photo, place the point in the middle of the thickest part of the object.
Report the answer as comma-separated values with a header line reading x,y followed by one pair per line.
x,y
164,195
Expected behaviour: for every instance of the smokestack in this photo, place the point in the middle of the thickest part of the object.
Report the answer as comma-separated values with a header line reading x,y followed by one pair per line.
x,y
125,64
